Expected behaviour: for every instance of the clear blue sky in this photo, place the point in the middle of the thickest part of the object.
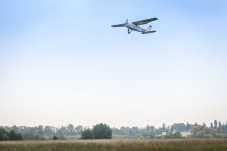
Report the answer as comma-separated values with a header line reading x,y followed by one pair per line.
x,y
61,62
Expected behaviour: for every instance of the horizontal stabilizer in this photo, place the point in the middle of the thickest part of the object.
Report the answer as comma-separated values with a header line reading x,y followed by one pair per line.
x,y
148,32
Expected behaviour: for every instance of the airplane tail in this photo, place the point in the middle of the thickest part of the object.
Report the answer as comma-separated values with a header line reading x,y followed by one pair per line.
x,y
149,28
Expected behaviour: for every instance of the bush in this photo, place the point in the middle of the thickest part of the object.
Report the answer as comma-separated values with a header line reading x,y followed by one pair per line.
x,y
102,131
15,136
99,131
3,135
55,137
87,134
173,136
12,135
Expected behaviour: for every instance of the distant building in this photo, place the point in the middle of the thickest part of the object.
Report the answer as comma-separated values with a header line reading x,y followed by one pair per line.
x,y
185,133
164,133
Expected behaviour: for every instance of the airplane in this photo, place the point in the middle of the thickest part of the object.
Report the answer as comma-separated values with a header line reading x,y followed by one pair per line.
x,y
134,26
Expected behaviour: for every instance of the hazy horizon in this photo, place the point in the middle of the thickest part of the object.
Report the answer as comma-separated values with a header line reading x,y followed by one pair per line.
x,y
119,126
61,62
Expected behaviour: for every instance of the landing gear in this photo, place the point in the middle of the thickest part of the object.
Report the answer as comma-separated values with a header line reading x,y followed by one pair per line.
x,y
129,32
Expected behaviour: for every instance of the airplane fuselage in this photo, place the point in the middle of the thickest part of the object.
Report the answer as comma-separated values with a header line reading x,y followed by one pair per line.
x,y
134,27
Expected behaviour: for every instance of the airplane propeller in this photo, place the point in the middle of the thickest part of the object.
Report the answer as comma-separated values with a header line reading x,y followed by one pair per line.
x,y
126,22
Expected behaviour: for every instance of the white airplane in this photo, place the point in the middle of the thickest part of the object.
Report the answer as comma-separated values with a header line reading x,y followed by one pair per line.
x,y
135,26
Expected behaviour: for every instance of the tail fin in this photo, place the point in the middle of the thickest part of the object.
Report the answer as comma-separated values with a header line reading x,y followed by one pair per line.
x,y
149,28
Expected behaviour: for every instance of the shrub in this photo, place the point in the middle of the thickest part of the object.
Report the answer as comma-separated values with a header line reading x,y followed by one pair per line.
x,y
174,136
87,134
102,131
15,136
55,137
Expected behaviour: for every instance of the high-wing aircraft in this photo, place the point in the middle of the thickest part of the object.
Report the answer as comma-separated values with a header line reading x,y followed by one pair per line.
x,y
134,26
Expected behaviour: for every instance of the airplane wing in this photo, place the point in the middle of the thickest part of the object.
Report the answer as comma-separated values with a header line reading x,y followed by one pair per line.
x,y
142,22
119,25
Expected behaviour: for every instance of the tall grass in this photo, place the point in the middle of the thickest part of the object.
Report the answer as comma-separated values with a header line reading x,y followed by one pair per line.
x,y
118,145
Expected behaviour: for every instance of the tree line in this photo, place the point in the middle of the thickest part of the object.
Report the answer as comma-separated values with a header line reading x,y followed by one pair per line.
x,y
216,129
45,132
9,135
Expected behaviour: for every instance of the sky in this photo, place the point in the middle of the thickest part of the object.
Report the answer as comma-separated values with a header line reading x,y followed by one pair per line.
x,y
61,62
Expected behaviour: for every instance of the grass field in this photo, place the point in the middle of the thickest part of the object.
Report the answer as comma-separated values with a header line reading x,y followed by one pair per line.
x,y
118,145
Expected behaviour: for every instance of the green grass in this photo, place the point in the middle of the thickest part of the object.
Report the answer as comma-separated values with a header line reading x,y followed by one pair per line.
x,y
118,145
